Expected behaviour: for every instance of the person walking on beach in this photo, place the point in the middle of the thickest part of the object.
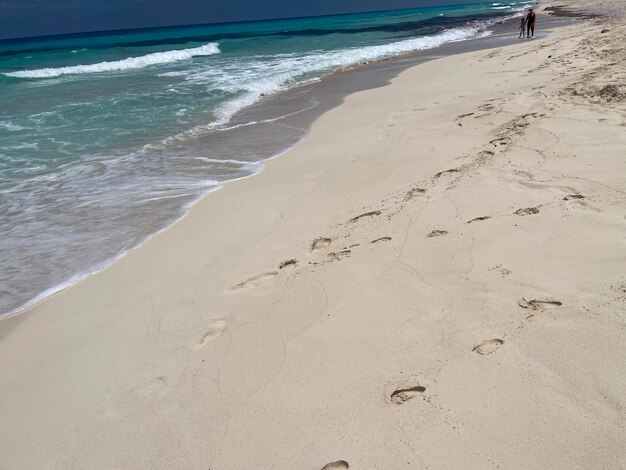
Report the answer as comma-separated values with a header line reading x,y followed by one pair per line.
x,y
530,23
522,28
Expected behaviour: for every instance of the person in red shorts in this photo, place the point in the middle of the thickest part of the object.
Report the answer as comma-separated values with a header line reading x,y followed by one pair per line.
x,y
530,23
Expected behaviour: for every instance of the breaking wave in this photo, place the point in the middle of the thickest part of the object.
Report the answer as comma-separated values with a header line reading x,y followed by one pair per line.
x,y
121,65
289,70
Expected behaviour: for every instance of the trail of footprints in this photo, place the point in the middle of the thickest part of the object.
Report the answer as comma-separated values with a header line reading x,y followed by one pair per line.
x,y
323,245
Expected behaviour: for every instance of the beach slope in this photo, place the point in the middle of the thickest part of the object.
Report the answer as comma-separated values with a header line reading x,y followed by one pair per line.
x,y
433,278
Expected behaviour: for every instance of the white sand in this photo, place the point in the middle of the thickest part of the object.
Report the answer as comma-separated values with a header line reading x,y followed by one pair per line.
x,y
196,351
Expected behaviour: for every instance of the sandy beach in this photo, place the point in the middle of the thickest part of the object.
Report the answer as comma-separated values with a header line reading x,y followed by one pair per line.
x,y
435,277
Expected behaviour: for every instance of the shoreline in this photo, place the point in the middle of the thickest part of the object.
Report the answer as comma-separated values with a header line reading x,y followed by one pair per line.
x,y
430,278
335,86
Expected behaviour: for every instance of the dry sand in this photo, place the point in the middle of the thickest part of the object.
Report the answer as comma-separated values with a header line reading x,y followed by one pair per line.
x,y
457,300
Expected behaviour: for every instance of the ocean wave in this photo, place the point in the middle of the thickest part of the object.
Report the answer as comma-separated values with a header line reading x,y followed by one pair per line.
x,y
288,71
263,76
121,65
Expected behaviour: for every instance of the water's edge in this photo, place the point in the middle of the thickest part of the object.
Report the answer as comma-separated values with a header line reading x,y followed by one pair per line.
x,y
329,92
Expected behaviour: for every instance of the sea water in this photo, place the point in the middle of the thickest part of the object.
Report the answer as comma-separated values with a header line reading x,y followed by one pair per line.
x,y
107,138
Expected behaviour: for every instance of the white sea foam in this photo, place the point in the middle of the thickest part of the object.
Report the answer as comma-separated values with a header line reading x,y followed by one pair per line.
x,y
121,65
244,165
172,74
75,278
288,69
9,126
264,75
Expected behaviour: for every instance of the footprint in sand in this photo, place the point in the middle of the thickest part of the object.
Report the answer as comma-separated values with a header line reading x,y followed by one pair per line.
x,y
289,262
414,193
400,396
437,233
479,219
213,332
488,347
537,304
254,281
502,270
486,107
441,173
320,243
573,197
338,465
527,211
499,141
381,239
338,256
152,387
144,394
362,216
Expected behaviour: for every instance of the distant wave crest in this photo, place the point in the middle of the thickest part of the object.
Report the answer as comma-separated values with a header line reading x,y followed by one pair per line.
x,y
120,65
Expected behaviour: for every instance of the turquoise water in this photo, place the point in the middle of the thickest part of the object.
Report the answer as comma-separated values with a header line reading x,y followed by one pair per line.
x,y
107,138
